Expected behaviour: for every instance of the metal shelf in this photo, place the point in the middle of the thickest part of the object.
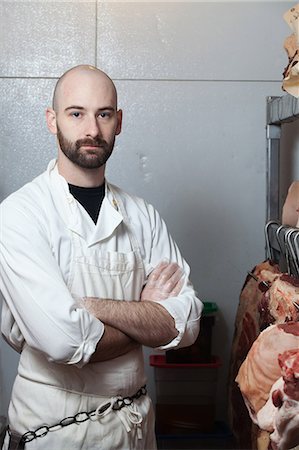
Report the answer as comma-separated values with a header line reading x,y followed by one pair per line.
x,y
282,109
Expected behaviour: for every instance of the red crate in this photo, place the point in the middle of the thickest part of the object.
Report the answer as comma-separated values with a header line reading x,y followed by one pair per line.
x,y
185,395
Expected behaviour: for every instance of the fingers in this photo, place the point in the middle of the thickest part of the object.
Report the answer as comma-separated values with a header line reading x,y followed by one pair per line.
x,y
177,289
167,278
170,277
163,272
157,272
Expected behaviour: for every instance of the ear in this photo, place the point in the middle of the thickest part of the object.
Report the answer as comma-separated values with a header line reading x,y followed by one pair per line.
x,y
51,120
119,116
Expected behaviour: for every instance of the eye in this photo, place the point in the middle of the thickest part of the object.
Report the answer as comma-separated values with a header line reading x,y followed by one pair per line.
x,y
76,114
104,114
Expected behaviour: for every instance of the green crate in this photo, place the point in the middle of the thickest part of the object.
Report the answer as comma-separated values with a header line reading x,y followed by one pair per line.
x,y
209,308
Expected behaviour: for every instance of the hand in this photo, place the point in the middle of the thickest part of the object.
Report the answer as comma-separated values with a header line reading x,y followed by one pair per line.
x,y
165,281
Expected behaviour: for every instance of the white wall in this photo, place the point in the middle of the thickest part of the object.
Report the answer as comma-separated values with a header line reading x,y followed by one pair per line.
x,y
193,78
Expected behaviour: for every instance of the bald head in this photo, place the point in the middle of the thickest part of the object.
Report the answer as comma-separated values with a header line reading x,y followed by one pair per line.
x,y
75,77
86,121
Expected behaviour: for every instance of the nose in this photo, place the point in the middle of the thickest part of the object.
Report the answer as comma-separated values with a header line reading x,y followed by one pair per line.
x,y
92,127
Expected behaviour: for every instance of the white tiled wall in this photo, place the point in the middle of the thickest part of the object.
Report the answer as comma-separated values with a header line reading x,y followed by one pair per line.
x,y
193,78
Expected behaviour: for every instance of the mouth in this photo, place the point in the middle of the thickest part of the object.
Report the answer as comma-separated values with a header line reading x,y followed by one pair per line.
x,y
90,147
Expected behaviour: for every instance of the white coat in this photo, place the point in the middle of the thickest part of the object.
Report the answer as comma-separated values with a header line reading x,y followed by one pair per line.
x,y
51,254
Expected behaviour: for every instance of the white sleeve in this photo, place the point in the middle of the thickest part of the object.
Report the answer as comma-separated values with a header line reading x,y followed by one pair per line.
x,y
38,306
186,308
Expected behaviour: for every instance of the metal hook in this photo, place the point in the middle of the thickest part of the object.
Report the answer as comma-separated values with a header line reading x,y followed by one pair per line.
x,y
281,239
269,247
292,259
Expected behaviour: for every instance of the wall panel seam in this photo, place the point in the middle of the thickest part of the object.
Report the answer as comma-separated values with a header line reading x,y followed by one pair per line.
x,y
96,35
171,80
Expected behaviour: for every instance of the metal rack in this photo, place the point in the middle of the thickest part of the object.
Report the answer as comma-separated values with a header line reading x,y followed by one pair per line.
x,y
280,110
282,246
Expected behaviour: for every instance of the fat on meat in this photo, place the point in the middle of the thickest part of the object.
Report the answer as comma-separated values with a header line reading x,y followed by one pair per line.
x,y
266,415
290,210
277,304
261,368
286,399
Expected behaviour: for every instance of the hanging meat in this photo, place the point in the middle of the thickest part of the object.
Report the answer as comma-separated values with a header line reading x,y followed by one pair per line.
x,y
247,328
280,302
286,421
268,381
290,210
261,367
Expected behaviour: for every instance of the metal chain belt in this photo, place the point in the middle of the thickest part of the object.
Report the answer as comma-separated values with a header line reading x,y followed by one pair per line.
x,y
81,417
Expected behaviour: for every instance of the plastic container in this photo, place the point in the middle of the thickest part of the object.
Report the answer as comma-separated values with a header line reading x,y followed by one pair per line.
x,y
201,350
185,395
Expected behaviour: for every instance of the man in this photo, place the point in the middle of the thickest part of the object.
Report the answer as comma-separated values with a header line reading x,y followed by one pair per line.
x,y
90,274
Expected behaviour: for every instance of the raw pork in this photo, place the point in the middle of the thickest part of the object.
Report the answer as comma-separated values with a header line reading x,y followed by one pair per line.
x,y
278,303
247,328
286,421
290,210
261,368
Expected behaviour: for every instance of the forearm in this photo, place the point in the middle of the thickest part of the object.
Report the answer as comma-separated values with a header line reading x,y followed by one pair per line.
x,y
113,343
146,322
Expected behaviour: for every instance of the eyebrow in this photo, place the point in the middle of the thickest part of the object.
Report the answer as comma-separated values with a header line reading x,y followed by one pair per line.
x,y
74,107
105,108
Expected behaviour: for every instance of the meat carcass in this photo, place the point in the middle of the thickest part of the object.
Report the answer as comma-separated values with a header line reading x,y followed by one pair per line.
x,y
261,368
280,415
290,210
278,303
286,420
266,415
247,328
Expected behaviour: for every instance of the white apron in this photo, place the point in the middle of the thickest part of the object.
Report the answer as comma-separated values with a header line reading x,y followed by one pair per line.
x,y
55,391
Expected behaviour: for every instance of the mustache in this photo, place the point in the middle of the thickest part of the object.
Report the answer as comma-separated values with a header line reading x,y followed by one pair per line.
x,y
95,142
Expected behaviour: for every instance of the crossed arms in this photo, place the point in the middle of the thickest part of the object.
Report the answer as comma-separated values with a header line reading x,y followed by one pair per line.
x,y
134,323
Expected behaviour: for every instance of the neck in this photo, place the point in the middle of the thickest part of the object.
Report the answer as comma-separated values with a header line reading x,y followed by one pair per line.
x,y
79,176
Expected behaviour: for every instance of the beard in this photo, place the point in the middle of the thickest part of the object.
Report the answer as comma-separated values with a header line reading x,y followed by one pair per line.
x,y
87,159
